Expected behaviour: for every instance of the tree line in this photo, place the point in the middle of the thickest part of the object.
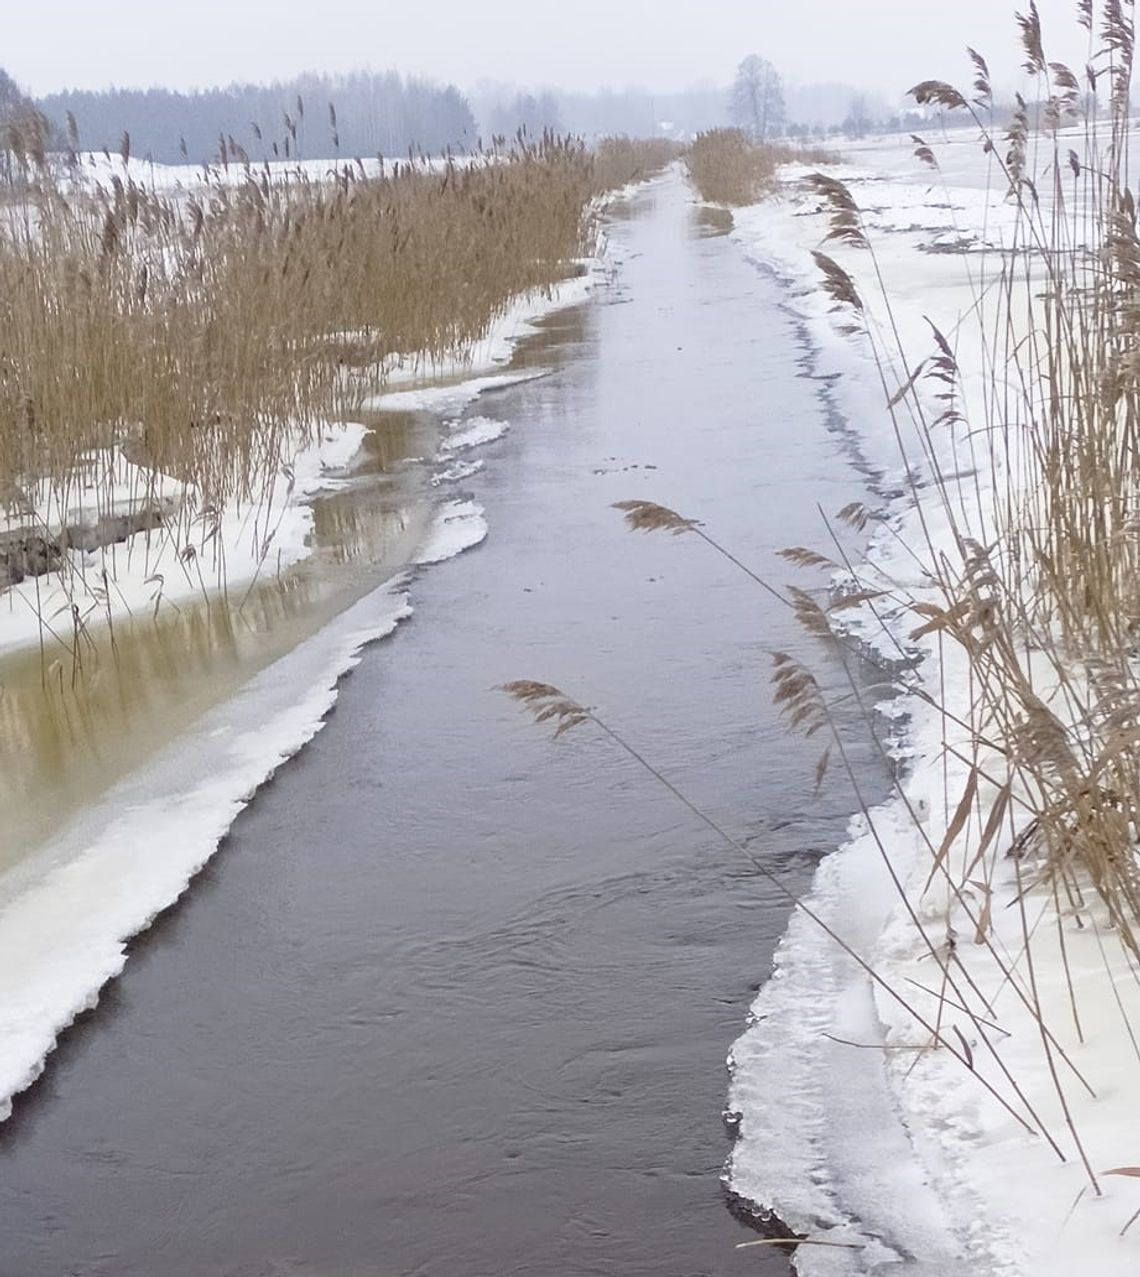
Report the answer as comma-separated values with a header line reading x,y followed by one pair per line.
x,y
360,114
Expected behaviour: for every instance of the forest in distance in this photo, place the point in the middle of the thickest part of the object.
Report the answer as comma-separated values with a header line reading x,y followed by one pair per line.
x,y
391,114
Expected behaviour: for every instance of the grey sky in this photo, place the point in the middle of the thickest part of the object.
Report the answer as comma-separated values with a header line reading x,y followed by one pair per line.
x,y
884,45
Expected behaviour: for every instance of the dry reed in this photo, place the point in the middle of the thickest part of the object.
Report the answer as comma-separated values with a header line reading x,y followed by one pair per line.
x,y
206,332
728,167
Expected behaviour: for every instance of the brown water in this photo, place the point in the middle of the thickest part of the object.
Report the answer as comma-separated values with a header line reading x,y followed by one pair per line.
x,y
69,730
453,997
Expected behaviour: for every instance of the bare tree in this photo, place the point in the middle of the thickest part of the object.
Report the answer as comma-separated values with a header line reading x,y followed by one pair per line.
x,y
756,103
858,121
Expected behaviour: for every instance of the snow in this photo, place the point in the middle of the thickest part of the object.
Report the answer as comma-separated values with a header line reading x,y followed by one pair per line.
x,y
103,167
852,1128
457,473
457,526
472,432
194,552
68,912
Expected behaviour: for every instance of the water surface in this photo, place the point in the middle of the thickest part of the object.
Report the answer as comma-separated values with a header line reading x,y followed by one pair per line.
x,y
455,997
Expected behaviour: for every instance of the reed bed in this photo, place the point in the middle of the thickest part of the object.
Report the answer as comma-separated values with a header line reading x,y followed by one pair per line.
x,y
197,328
622,161
728,167
1037,586
1022,584
192,339
1031,595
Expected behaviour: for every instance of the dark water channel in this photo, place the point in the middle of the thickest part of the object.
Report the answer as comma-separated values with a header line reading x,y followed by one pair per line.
x,y
455,998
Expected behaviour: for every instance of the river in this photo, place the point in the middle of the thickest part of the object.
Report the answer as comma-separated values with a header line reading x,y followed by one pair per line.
x,y
456,997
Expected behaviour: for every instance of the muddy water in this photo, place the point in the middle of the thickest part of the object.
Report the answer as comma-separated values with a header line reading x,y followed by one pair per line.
x,y
70,728
455,997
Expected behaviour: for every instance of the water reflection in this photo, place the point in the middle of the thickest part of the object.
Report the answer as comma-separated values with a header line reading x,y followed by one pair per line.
x,y
70,728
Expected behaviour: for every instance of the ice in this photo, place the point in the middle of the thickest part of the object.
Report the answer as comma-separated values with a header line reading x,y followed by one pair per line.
x,y
473,432
820,1142
888,1142
457,526
452,397
457,472
152,569
66,916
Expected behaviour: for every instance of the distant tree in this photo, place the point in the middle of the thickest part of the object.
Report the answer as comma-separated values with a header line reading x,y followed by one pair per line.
x,y
756,103
858,121
530,113
375,113
25,133
16,108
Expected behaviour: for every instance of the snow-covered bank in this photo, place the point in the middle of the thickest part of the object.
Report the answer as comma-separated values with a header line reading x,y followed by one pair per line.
x,y
854,1126
68,912
189,550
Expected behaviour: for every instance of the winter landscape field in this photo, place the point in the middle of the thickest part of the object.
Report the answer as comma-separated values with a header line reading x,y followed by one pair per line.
x,y
568,656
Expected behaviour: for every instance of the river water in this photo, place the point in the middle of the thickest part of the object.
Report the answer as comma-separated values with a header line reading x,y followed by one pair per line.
x,y
455,997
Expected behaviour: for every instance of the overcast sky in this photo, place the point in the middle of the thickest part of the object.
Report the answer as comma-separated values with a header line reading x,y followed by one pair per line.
x,y
884,45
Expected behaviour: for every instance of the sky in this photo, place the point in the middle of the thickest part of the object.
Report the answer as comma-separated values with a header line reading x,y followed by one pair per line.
x,y
880,45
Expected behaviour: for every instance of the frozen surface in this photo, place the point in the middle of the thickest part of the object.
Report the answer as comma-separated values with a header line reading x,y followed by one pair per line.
x,y
194,552
457,472
457,526
851,1126
472,432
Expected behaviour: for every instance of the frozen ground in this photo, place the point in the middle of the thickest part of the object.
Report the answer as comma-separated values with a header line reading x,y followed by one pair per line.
x,y
853,1128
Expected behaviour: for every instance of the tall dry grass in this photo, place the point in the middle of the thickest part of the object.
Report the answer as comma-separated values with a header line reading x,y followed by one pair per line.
x,y
1031,593
728,167
622,161
204,333
1030,575
196,329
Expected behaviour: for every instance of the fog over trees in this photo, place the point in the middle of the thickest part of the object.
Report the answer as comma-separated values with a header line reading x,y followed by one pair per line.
x,y
387,113
15,105
633,112
376,113
756,102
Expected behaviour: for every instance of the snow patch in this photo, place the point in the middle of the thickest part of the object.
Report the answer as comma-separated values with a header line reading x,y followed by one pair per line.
x,y
457,526
456,473
473,432
156,568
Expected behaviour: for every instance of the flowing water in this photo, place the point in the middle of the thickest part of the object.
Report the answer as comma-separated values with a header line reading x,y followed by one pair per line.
x,y
456,997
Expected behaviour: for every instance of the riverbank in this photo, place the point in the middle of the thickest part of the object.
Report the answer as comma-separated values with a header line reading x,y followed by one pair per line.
x,y
453,992
194,686
959,1115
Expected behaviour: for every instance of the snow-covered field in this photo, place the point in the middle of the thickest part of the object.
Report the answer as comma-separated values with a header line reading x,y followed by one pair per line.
x,y
854,1127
